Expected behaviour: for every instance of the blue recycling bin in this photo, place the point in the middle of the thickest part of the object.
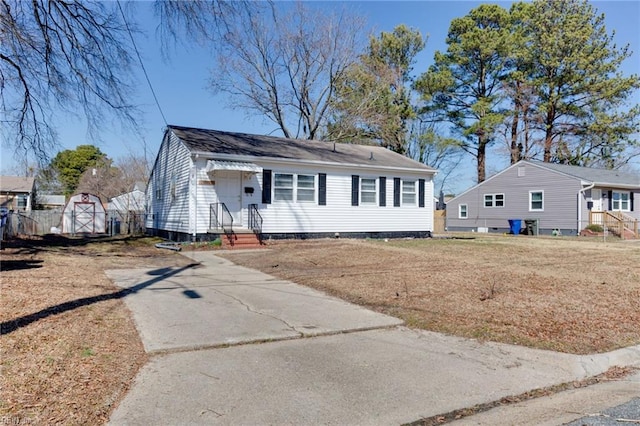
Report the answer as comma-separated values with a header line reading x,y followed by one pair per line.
x,y
514,226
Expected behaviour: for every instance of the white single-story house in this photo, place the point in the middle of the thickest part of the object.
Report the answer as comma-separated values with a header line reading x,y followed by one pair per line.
x,y
133,201
206,183
550,199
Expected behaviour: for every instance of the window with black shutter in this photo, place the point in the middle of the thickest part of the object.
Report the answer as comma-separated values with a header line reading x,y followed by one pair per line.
x,y
322,189
355,186
396,192
266,186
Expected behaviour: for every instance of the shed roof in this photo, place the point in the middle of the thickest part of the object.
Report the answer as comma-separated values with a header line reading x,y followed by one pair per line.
x,y
16,184
242,144
597,176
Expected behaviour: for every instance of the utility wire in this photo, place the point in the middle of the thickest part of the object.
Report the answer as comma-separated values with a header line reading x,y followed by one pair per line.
x,y
144,70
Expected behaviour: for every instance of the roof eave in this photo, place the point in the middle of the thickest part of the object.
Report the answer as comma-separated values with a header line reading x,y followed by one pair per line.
x,y
235,157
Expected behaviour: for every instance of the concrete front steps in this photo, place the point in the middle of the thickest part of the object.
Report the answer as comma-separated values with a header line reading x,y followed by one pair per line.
x,y
241,240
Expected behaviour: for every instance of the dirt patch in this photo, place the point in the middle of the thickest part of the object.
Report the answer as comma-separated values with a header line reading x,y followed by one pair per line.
x,y
69,345
563,294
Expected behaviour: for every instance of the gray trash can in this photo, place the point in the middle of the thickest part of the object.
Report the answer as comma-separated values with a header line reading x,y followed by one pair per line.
x,y
531,226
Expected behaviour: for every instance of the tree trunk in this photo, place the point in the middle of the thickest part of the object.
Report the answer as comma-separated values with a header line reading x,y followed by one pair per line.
x,y
515,155
548,137
482,156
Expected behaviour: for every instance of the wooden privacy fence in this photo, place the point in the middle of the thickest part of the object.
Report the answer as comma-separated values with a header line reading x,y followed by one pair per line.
x,y
439,221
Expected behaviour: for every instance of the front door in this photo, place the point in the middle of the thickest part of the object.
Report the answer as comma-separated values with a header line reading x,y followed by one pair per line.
x,y
229,190
596,198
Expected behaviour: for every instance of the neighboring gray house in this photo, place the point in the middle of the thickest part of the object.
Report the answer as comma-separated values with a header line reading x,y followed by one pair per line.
x,y
552,197
208,183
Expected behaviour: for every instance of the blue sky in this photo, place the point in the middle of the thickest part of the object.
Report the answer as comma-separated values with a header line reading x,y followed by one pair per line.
x,y
181,83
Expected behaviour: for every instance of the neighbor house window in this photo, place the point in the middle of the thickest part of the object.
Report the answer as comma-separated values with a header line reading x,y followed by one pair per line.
x,y
306,190
536,200
22,201
462,211
494,200
620,201
408,192
368,191
283,187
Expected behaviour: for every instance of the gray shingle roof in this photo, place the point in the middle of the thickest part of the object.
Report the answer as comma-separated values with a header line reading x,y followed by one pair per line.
x,y
16,184
598,176
219,142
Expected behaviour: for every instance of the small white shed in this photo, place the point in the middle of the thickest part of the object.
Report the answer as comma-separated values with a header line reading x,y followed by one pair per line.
x,y
84,214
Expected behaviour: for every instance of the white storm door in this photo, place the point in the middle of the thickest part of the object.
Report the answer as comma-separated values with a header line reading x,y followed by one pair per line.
x,y
596,198
228,188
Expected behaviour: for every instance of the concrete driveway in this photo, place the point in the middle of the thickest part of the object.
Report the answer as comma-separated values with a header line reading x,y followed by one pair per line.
x,y
231,345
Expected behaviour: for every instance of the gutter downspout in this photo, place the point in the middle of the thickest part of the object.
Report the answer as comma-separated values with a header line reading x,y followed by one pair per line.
x,y
581,191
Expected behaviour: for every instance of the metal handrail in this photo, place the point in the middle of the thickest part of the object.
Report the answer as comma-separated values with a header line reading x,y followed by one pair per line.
x,y
228,214
218,212
255,219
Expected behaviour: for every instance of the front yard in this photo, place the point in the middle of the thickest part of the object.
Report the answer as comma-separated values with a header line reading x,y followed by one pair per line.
x,y
565,294
69,348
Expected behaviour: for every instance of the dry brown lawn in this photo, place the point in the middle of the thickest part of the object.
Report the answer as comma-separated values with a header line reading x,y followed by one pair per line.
x,y
69,348
566,294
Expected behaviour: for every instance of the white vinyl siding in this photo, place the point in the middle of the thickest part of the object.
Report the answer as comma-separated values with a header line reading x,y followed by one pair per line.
x,y
620,201
368,194
536,201
170,183
494,200
338,215
409,193
463,211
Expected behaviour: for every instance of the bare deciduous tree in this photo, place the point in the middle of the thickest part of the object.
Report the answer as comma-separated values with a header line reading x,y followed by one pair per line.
x,y
284,65
72,56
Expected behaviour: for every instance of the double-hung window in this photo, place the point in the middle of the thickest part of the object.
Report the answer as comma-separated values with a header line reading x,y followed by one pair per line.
x,y
291,187
306,188
22,201
620,201
536,201
408,192
283,187
494,200
368,193
463,211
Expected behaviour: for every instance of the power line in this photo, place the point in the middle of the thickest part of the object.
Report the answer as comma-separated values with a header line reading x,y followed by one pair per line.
x,y
144,70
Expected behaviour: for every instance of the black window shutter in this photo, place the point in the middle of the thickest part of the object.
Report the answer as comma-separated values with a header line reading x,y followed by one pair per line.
x,y
383,191
266,187
420,192
396,192
322,189
355,184
631,202
610,193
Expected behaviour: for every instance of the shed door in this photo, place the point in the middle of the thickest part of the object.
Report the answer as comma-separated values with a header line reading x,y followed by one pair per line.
x,y
84,218
229,190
